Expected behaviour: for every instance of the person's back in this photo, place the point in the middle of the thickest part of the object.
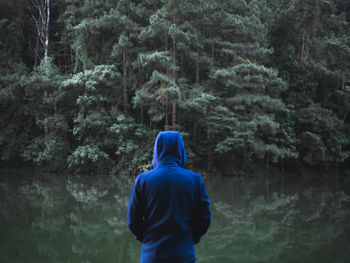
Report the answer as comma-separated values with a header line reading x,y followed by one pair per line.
x,y
168,207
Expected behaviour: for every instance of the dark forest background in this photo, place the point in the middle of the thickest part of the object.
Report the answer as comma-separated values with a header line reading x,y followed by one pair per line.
x,y
85,86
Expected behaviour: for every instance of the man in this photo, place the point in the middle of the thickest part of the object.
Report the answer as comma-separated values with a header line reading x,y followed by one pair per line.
x,y
169,207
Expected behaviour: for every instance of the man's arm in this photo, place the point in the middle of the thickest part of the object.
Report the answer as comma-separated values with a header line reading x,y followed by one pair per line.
x,y
135,211
203,214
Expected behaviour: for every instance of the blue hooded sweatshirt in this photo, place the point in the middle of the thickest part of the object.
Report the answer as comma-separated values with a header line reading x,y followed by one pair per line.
x,y
168,207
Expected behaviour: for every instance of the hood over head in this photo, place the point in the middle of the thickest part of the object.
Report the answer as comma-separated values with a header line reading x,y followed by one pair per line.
x,y
169,148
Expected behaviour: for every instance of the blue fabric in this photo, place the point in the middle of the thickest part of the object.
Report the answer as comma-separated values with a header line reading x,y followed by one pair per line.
x,y
168,207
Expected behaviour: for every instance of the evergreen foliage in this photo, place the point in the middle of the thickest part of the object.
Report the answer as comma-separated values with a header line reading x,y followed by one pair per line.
x,y
245,81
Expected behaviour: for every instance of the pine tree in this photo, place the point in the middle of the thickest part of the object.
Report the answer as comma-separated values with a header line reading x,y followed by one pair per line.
x,y
312,53
245,121
160,63
243,80
104,86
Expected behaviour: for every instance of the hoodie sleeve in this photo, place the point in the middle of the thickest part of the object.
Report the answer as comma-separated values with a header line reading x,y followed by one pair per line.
x,y
203,214
135,211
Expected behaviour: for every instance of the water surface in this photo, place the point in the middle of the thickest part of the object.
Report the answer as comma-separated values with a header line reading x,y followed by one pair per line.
x,y
54,218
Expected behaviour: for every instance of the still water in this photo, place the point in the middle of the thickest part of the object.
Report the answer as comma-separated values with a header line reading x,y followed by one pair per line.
x,y
76,219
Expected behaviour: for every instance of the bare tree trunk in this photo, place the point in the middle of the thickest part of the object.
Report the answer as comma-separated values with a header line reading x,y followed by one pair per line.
x,y
207,108
125,94
36,51
65,49
197,80
302,48
194,130
42,22
19,24
166,93
141,113
174,115
197,68
166,110
47,5
282,173
268,161
305,49
267,185
182,64
345,115
267,175
212,47
174,76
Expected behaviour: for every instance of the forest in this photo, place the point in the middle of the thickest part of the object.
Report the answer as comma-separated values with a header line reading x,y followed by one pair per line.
x,y
85,86
258,89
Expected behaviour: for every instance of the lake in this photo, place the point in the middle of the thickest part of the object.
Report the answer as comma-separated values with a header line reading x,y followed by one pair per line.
x,y
55,218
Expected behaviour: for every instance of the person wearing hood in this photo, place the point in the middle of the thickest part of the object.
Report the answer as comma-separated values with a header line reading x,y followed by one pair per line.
x,y
168,208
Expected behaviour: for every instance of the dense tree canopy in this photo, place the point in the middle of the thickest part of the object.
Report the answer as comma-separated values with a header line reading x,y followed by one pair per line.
x,y
243,80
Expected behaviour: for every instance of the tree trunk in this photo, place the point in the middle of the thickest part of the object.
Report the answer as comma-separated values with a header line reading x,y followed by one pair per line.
x,y
194,131
174,115
182,64
302,47
19,24
345,115
267,185
65,49
125,94
267,175
166,110
174,76
212,47
36,51
282,174
141,114
47,28
305,49
197,68
166,93
42,22
268,161
208,127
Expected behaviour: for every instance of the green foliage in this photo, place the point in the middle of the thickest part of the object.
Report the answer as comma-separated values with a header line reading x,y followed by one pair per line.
x,y
322,140
133,146
49,150
49,146
315,34
84,154
247,81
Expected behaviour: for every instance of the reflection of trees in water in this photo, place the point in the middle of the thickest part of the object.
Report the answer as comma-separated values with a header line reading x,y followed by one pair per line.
x,y
306,227
84,220
75,220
